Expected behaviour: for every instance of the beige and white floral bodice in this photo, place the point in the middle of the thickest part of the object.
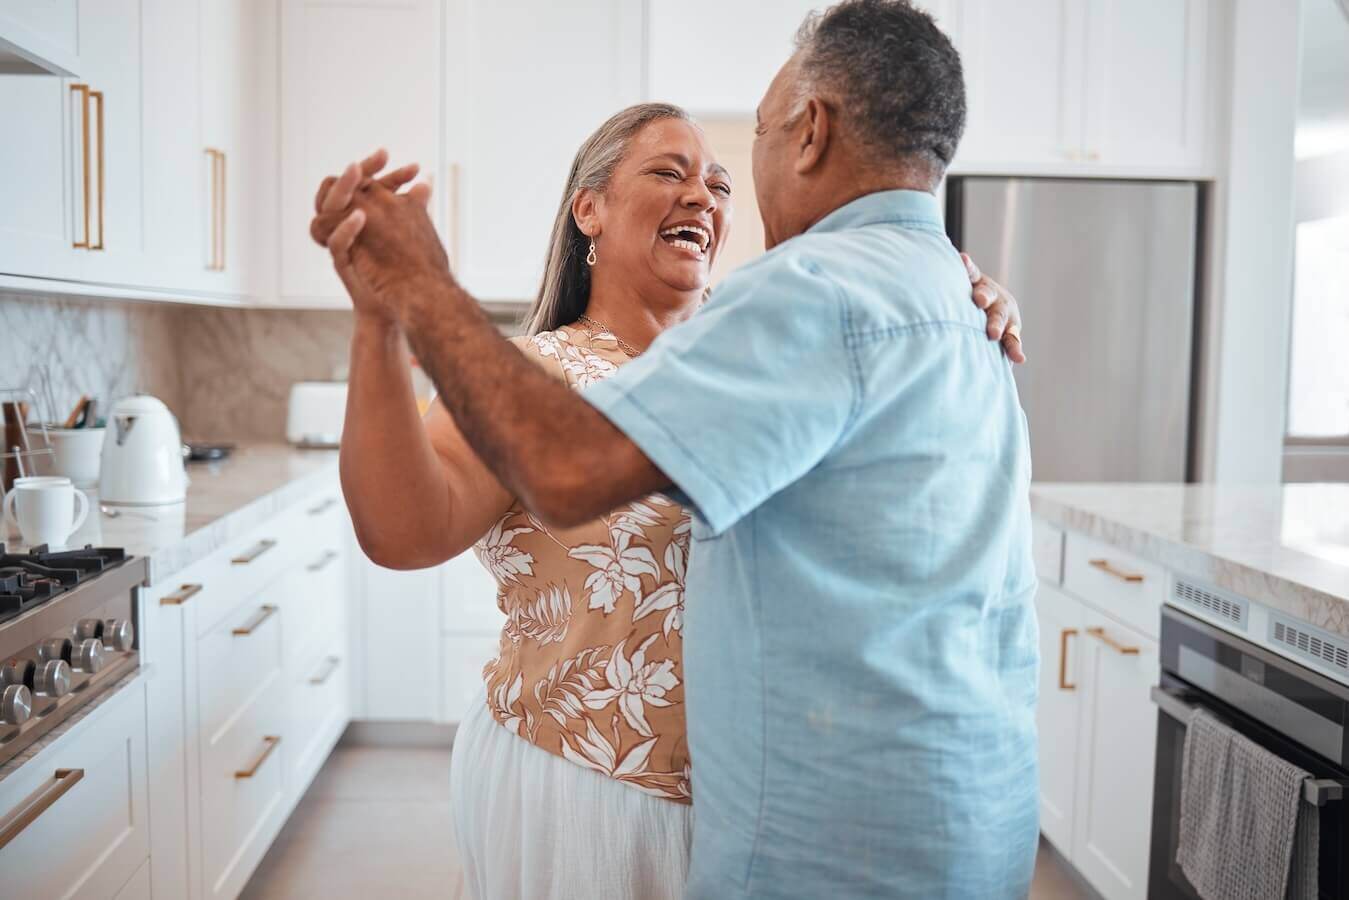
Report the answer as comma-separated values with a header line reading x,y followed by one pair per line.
x,y
590,665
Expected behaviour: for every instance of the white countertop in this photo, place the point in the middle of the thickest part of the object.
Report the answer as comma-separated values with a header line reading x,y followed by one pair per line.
x,y
1286,546
224,500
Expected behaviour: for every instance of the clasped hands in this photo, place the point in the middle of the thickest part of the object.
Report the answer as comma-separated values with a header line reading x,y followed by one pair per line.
x,y
385,249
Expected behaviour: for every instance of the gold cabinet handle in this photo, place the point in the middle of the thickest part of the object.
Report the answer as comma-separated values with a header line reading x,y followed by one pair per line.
x,y
220,208
98,98
323,507
262,615
36,803
213,265
83,91
1105,566
329,667
1063,659
182,595
323,561
257,550
1100,635
271,741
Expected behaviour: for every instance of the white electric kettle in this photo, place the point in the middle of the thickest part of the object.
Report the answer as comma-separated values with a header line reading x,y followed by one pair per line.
x,y
142,456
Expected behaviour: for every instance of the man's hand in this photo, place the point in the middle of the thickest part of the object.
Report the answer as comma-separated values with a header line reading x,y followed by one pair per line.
x,y
1004,316
399,247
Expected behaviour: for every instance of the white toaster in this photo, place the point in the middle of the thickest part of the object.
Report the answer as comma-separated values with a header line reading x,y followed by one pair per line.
x,y
316,412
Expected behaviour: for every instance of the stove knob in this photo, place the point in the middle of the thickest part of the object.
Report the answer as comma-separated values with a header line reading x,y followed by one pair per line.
x,y
53,679
88,628
56,648
88,656
119,634
16,704
17,671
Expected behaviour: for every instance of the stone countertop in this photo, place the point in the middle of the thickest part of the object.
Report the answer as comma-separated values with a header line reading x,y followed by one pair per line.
x,y
224,500
1286,546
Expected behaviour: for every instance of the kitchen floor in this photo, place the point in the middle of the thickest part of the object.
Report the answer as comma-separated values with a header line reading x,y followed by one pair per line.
x,y
378,818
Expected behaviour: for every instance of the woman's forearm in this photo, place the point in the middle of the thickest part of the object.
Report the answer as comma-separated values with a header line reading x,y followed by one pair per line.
x,y
394,483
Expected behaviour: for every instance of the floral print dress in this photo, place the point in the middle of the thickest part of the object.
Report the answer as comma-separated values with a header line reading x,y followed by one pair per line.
x,y
590,661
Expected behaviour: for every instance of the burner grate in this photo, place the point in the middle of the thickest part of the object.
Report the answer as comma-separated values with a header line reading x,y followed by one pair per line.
x,y
30,579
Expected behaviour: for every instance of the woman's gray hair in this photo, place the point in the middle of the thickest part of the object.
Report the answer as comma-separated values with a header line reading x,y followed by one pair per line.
x,y
566,277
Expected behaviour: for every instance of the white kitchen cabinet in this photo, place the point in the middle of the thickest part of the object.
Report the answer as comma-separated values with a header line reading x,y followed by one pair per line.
x,y
471,623
91,836
355,76
1023,67
1147,83
38,212
520,101
720,66
1116,745
138,888
464,656
398,637
1057,716
38,38
1121,87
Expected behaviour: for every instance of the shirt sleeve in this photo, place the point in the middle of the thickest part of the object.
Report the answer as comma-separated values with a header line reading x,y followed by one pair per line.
x,y
747,395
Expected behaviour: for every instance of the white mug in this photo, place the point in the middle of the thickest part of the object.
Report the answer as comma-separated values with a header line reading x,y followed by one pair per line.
x,y
43,508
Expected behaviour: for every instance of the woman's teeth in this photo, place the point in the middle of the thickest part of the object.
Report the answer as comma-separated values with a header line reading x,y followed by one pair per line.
x,y
675,237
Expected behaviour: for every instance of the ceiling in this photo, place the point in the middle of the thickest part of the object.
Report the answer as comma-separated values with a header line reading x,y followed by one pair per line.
x,y
1323,105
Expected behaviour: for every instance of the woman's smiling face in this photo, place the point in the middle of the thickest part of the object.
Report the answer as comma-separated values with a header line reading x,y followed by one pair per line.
x,y
665,212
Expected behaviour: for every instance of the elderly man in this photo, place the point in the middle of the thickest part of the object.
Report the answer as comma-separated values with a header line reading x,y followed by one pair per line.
x,y
861,651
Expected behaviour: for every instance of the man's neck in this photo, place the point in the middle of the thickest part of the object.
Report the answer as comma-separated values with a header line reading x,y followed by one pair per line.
x,y
842,191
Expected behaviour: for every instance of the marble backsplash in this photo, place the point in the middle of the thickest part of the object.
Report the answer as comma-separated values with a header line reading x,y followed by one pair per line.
x,y
225,372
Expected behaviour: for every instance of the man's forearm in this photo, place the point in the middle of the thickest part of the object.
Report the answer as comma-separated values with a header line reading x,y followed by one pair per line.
x,y
562,458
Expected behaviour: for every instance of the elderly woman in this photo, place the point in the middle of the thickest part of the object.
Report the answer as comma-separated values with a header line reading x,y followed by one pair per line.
x,y
571,773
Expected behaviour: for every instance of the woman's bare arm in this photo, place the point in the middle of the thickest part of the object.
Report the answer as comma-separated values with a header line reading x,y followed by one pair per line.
x,y
417,493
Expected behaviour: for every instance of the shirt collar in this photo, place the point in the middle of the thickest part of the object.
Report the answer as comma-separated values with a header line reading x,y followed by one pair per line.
x,y
917,208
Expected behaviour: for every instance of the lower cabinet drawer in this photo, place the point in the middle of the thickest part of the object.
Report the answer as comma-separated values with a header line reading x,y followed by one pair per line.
x,y
73,819
237,662
312,600
1116,582
243,797
138,888
318,712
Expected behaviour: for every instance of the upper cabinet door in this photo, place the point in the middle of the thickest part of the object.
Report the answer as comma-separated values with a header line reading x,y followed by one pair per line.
x,y
236,160
1147,82
720,64
1022,65
520,101
170,139
356,75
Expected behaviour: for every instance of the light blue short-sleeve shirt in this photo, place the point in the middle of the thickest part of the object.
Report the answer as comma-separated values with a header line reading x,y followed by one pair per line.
x,y
860,643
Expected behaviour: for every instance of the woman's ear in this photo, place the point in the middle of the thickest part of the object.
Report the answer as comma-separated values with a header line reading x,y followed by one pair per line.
x,y
585,212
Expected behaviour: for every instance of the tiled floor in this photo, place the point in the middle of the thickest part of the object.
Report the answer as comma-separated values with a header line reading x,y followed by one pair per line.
x,y
376,823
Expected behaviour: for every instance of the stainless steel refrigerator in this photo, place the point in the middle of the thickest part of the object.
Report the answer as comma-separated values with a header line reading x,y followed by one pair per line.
x,y
1105,274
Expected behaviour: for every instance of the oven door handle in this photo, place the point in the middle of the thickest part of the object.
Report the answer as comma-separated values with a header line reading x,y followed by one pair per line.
x,y
1316,791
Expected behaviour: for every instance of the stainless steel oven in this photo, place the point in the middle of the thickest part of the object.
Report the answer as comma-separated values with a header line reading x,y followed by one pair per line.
x,y
1284,707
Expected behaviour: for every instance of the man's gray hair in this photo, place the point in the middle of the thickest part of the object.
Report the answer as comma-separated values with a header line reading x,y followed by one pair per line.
x,y
893,76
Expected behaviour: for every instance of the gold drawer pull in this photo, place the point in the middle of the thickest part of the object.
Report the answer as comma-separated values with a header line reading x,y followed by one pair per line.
x,y
262,615
83,91
36,803
97,96
323,561
323,507
271,741
258,549
330,666
182,595
1100,635
1105,566
1063,659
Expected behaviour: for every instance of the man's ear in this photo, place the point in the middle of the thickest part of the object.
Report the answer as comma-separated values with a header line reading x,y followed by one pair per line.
x,y
585,212
813,133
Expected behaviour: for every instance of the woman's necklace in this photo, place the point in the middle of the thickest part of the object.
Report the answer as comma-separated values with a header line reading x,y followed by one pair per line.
x,y
623,345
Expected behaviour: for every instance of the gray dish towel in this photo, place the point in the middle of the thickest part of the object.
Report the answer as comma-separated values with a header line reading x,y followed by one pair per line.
x,y
1245,831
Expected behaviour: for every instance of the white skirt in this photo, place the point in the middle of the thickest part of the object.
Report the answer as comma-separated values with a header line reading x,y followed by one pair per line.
x,y
532,826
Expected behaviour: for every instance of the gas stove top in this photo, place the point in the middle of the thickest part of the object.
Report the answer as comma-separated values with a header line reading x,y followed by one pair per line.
x,y
67,633
30,579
